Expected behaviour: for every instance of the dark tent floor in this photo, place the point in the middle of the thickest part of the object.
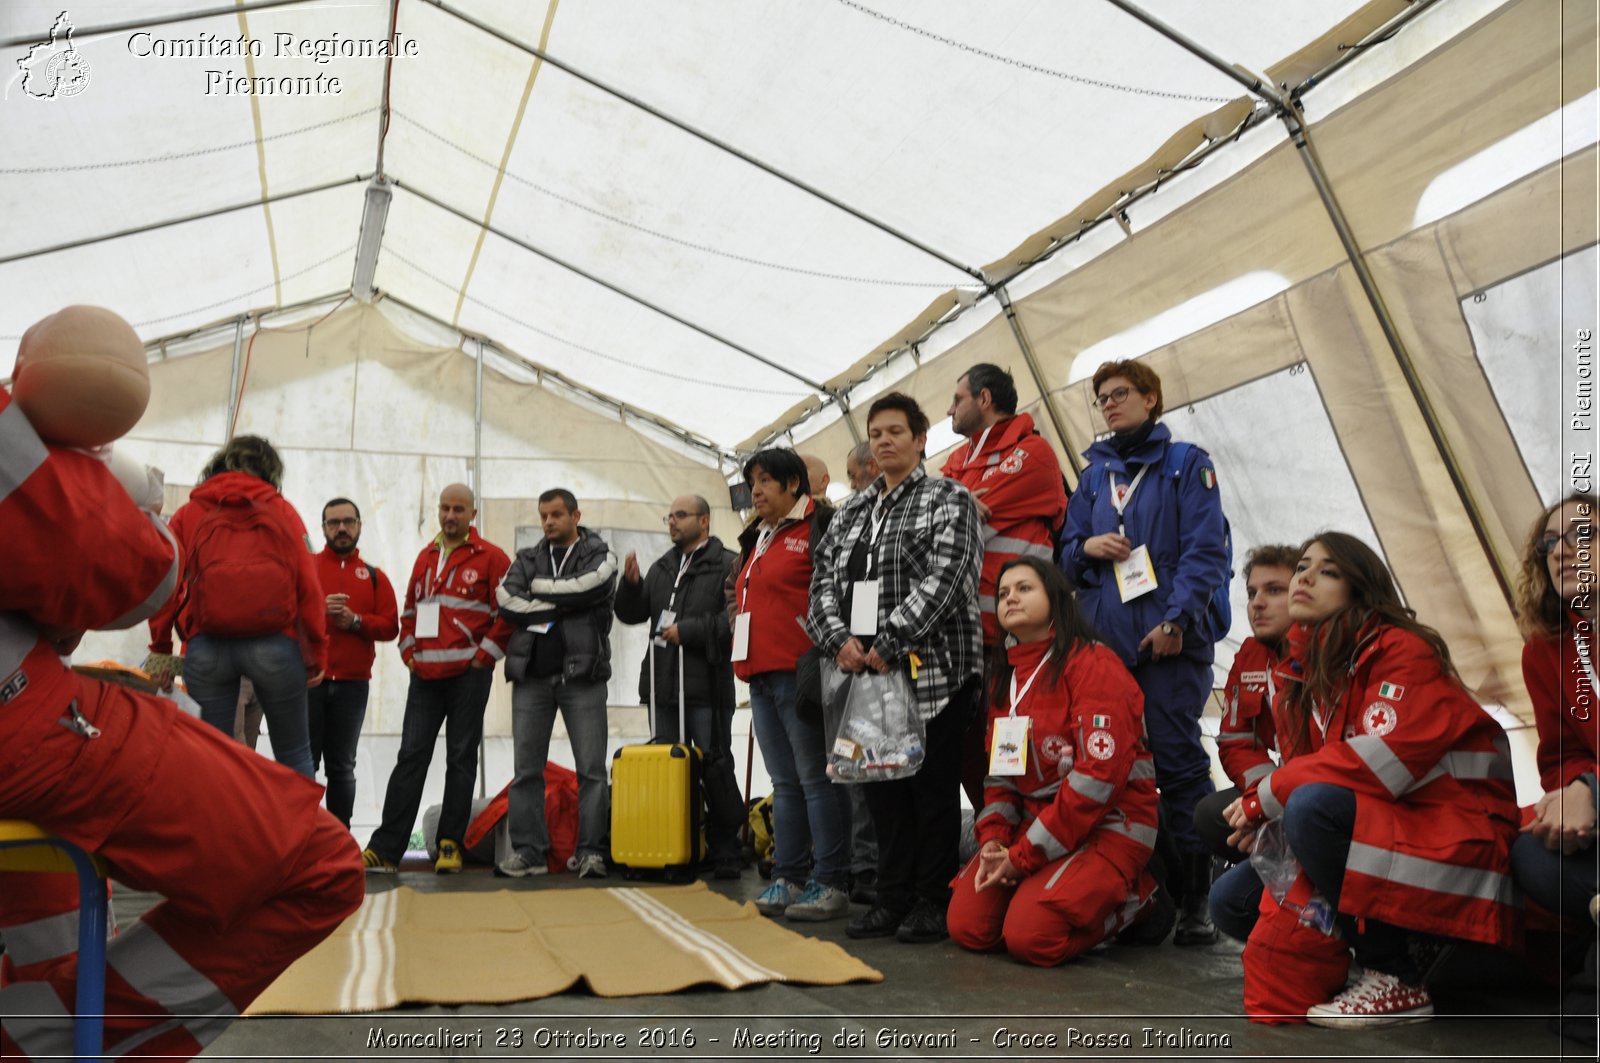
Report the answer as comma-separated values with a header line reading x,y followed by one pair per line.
x,y
1127,1002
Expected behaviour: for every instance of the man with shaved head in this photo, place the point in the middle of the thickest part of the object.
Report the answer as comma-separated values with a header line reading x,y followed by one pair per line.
x,y
451,635
681,599
817,473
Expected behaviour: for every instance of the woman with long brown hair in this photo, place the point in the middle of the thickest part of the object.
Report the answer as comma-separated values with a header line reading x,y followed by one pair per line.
x,y
1069,806
1554,860
1395,797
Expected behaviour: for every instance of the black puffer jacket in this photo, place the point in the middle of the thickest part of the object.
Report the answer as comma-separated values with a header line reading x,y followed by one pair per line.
x,y
704,635
579,600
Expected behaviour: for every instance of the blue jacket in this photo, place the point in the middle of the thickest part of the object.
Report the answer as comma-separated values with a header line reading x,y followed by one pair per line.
x,y
1179,518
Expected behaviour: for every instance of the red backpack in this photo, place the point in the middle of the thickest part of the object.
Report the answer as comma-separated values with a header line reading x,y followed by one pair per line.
x,y
238,581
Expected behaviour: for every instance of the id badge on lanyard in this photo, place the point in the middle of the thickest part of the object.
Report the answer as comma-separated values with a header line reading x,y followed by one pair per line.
x,y
1008,752
1136,576
864,593
741,620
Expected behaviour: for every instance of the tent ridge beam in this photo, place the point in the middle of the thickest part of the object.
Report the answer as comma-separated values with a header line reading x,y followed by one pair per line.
x,y
814,385
201,216
720,145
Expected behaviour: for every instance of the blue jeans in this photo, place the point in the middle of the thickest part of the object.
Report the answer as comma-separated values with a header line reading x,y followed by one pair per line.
x,y
1562,884
212,668
455,703
711,732
809,812
534,703
337,709
1318,820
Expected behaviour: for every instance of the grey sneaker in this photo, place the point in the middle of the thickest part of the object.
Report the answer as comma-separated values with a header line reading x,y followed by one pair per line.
x,y
518,866
592,865
817,903
776,898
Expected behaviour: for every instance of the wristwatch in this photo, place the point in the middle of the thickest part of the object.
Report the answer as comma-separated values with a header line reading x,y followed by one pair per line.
x,y
1168,628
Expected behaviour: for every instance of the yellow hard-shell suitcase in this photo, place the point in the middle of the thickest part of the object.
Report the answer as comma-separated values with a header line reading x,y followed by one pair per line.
x,y
655,797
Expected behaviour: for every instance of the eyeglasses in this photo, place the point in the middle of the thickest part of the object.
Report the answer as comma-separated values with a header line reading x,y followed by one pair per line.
x,y
680,514
1112,398
1547,541
341,522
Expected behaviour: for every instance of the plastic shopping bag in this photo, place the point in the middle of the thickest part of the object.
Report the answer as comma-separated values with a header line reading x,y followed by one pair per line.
x,y
880,733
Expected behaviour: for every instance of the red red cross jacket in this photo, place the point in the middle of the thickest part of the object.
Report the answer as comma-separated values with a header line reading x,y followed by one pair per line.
x,y
470,626
1436,810
1566,704
1088,768
1021,483
1247,738
371,598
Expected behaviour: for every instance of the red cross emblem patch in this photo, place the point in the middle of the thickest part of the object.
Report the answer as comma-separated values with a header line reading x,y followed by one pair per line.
x,y
1054,747
362,573
1380,718
1101,745
469,576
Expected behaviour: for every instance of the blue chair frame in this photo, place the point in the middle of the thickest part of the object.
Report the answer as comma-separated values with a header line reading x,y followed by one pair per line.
x,y
88,1024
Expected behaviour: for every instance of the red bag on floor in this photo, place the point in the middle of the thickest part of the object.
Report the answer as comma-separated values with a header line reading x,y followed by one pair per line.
x,y
560,815
1290,966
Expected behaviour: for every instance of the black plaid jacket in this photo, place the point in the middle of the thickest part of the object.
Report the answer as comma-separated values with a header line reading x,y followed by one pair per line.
x,y
929,554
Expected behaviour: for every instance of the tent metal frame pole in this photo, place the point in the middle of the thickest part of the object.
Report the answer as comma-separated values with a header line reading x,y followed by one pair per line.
x,y
477,491
1032,359
720,145
849,421
80,32
681,434
201,216
617,289
1300,134
233,378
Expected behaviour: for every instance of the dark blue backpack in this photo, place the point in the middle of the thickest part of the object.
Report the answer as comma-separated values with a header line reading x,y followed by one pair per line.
x,y
1219,611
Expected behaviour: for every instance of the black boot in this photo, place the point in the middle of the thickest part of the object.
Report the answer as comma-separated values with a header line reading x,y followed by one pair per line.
x,y
1194,912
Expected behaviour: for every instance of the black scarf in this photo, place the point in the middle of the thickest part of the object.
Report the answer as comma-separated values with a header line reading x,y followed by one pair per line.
x,y
1125,443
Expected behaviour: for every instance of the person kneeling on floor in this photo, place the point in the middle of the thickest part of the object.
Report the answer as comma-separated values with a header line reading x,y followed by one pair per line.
x,y
1396,803
1070,807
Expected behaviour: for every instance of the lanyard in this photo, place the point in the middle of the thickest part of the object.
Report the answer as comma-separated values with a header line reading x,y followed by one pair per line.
x,y
872,539
1018,695
555,568
1119,499
977,448
683,566
763,544
438,572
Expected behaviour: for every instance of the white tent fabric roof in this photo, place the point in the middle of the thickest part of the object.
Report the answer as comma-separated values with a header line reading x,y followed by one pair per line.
x,y
964,127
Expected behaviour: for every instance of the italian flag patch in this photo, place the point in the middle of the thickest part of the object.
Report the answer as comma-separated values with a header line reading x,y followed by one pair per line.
x,y
1208,476
1389,690
1100,721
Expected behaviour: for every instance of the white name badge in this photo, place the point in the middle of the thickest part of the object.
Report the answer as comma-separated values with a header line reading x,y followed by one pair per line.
x,y
1136,576
741,637
864,608
427,620
542,629
1009,753
667,619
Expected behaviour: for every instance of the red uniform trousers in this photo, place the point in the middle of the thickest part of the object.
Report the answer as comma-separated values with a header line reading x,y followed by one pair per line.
x,y
1064,909
253,872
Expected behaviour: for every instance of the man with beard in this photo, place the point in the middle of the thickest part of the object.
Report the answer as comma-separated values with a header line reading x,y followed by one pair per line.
x,y
361,612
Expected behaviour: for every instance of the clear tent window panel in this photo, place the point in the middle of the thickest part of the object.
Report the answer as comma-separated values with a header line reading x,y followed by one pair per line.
x,y
1525,332
1270,440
